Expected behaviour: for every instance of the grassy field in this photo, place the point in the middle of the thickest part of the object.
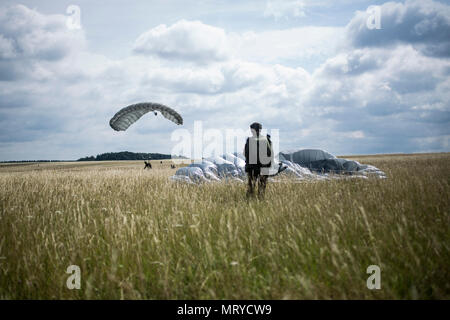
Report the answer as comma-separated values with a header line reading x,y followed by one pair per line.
x,y
136,235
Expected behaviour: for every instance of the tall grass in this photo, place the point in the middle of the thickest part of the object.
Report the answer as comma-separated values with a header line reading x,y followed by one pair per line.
x,y
136,235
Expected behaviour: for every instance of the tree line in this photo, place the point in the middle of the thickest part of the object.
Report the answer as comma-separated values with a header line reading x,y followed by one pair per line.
x,y
126,155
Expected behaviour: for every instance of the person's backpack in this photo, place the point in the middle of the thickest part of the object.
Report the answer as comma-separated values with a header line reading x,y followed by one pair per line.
x,y
269,152
259,141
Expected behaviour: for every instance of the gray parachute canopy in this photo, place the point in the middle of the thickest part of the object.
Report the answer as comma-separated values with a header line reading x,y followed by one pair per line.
x,y
129,115
322,161
305,157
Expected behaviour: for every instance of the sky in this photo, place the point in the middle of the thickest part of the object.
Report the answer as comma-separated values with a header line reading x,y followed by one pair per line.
x,y
350,77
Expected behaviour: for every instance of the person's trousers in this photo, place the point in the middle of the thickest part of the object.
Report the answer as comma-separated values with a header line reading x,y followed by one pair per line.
x,y
254,178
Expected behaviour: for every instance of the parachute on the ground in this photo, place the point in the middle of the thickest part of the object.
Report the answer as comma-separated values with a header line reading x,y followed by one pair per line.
x,y
322,161
306,164
129,115
305,156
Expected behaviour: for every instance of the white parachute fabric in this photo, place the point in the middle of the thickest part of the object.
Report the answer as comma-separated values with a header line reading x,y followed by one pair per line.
x,y
231,167
190,174
298,165
123,119
296,171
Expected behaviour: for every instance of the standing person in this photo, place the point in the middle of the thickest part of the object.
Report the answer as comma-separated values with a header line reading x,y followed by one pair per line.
x,y
258,154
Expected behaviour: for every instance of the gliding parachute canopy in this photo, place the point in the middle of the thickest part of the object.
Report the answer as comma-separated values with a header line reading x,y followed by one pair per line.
x,y
129,115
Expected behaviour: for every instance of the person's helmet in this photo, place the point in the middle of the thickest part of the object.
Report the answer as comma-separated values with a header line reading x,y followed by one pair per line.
x,y
256,125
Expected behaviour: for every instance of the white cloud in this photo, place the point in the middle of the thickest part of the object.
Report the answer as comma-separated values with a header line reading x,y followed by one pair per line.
x,y
6,48
381,93
285,9
193,41
30,42
185,40
425,24
29,34
295,45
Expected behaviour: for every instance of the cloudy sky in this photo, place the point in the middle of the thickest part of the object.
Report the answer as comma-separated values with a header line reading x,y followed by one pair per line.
x,y
321,72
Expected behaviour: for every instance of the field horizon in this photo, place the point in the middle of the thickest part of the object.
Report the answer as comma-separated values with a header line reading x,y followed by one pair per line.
x,y
349,156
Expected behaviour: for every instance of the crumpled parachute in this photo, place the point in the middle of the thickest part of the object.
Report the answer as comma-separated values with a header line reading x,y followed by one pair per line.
x,y
129,115
228,167
305,156
300,165
322,161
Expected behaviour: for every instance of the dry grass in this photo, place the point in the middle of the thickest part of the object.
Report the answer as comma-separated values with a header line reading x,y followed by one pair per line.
x,y
136,235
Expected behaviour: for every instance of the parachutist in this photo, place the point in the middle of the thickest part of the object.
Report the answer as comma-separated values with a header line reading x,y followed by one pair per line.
x,y
254,161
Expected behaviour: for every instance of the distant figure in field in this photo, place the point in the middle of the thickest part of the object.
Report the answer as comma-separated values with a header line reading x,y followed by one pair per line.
x,y
258,154
172,166
160,162
147,165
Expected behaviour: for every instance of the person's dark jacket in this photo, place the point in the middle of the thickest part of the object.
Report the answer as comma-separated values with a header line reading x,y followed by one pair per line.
x,y
259,141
